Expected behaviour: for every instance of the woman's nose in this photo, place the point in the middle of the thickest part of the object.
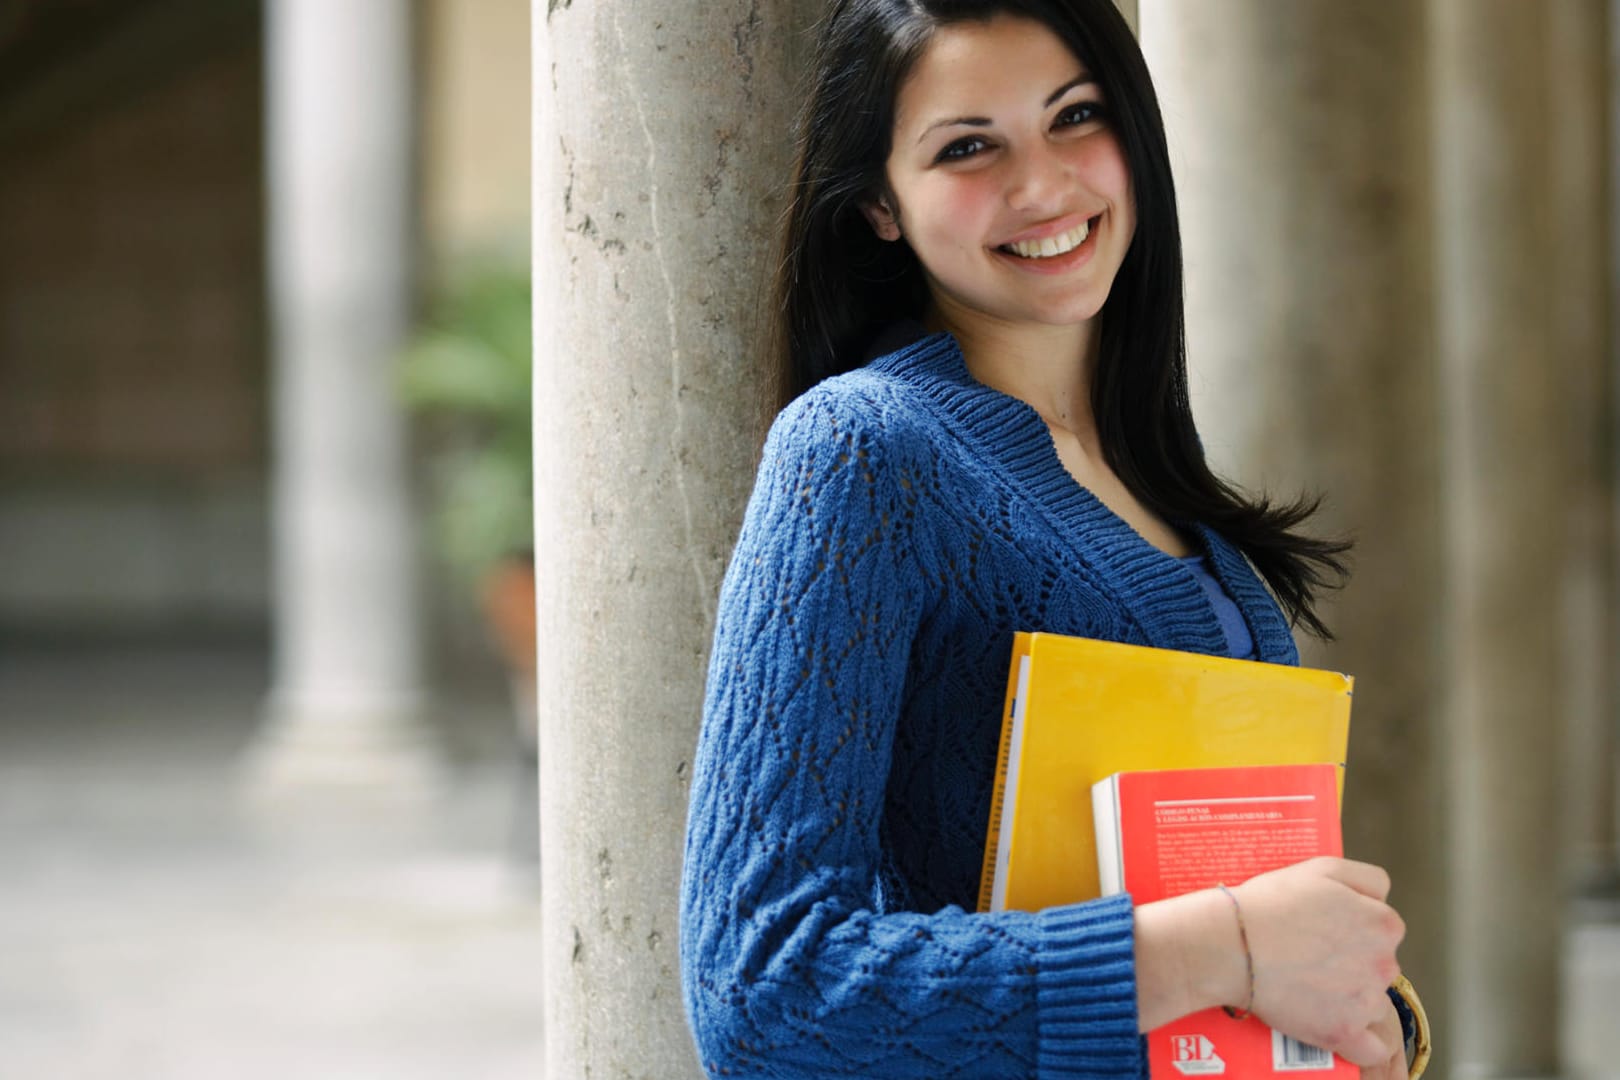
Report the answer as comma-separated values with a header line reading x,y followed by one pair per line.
x,y
1041,179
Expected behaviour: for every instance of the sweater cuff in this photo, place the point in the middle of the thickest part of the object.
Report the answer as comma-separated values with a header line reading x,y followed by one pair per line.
x,y
1086,990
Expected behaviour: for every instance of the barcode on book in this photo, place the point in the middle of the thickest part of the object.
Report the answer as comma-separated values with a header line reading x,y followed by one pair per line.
x,y
1291,1055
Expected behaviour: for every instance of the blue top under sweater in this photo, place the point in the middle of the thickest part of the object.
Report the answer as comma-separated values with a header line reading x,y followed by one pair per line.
x,y
1238,642
906,520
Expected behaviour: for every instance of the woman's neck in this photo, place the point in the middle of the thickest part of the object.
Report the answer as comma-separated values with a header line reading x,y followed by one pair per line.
x,y
1049,368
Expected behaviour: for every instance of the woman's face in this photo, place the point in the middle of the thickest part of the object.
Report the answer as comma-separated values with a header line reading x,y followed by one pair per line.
x,y
1007,179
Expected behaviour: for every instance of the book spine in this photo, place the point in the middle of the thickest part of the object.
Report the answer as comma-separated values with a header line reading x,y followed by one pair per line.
x,y
998,793
1110,842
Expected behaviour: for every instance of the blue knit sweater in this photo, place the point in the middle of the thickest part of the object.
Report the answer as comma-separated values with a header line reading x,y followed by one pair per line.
x,y
905,522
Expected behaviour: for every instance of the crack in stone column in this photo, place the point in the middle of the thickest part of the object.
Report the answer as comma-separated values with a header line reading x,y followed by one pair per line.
x,y
678,430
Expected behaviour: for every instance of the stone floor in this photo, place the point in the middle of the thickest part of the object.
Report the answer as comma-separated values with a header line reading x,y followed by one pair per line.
x,y
153,923
1591,1007
156,924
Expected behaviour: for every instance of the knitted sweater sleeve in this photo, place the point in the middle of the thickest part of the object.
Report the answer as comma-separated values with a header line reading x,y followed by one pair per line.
x,y
792,967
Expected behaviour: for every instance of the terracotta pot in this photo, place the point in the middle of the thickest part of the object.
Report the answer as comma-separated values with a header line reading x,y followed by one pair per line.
x,y
508,600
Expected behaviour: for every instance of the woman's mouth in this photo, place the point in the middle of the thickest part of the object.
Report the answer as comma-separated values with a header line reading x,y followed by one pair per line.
x,y
1056,254
1050,246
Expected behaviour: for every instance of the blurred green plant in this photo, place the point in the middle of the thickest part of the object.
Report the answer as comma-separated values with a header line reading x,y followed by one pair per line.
x,y
467,374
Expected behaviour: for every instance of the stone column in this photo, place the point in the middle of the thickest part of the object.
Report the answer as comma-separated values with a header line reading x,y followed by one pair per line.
x,y
1505,448
1584,145
1581,146
662,154
346,668
1302,174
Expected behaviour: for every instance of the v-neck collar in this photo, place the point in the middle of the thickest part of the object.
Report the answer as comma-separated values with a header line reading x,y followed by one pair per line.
x,y
1160,595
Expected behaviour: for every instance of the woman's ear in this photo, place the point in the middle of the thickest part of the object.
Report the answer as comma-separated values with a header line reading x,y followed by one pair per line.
x,y
883,220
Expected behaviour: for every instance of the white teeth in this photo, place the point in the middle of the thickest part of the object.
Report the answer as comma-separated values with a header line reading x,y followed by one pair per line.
x,y
1052,245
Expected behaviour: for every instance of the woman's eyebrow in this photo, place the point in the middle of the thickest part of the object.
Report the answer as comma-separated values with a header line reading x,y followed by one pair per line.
x,y
1079,80
984,121
969,121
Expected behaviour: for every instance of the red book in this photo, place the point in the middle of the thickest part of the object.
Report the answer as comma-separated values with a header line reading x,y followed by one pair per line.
x,y
1160,834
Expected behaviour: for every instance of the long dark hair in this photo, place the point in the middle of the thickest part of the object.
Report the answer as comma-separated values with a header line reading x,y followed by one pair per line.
x,y
838,285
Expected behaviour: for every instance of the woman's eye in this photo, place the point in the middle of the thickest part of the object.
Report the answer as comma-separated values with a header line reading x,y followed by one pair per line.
x,y
1081,112
961,148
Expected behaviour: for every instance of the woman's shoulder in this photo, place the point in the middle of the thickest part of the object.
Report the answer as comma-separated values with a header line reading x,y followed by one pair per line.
x,y
869,409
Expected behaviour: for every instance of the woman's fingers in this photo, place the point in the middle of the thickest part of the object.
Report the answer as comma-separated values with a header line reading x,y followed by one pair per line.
x,y
1388,1031
1370,1043
1367,1048
1393,1069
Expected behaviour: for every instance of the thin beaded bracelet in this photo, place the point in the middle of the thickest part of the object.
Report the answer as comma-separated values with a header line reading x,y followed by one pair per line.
x,y
1248,957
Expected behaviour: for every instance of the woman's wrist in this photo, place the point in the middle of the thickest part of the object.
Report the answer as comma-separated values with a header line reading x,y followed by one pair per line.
x,y
1189,957
1247,1008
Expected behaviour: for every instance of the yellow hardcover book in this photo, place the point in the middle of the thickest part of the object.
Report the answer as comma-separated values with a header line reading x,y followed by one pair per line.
x,y
1080,710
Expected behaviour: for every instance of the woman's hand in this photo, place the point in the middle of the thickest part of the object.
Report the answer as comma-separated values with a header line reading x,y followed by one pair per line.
x,y
1388,1027
1323,942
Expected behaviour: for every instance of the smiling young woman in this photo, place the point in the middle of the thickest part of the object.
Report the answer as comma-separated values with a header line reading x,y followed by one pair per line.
x,y
1013,187
983,427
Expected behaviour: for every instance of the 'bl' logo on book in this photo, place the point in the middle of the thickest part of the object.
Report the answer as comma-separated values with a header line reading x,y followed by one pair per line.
x,y
1194,1055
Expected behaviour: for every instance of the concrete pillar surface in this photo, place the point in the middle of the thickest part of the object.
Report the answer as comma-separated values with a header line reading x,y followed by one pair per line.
x,y
1505,434
1300,146
346,664
662,156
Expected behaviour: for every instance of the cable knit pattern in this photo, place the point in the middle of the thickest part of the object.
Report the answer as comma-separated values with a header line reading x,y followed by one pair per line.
x,y
905,522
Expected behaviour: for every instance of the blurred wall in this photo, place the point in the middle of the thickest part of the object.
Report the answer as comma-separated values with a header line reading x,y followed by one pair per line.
x,y
132,358
474,207
134,411
475,128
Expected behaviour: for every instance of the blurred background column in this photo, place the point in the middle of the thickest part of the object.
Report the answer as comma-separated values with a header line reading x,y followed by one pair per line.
x,y
662,158
1298,136
1579,42
345,697
1510,482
